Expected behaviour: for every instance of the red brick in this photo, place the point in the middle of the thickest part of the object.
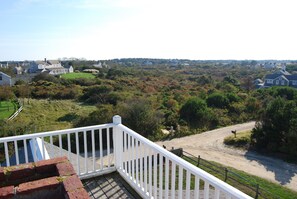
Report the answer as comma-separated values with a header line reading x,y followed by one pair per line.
x,y
46,183
72,183
65,169
6,192
49,166
77,194
19,172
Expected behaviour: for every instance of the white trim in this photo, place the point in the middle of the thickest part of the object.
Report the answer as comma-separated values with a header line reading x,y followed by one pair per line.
x,y
5,74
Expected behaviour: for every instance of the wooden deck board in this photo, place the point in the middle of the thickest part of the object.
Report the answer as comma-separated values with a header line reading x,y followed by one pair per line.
x,y
109,186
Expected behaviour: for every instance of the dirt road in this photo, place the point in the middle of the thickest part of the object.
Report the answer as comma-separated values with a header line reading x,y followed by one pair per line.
x,y
209,145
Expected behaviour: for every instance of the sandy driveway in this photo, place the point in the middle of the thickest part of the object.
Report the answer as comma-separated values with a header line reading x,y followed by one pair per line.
x,y
209,145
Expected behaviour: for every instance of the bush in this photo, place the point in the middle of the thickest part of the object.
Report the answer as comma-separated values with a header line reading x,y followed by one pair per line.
x,y
242,140
217,100
196,113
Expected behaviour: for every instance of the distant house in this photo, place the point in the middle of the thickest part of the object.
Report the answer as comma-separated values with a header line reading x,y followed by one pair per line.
x,y
52,67
5,80
18,70
280,78
258,83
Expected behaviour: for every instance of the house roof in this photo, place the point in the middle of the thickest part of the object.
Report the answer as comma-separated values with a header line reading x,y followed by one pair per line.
x,y
53,62
4,74
283,72
41,62
274,76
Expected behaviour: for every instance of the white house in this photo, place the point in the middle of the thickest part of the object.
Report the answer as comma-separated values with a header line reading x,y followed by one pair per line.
x,y
52,67
5,80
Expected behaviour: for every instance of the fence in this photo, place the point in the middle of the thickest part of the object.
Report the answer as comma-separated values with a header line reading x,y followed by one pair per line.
x,y
17,112
229,176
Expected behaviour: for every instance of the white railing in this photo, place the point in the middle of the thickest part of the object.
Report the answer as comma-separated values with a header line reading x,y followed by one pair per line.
x,y
157,173
95,150
89,149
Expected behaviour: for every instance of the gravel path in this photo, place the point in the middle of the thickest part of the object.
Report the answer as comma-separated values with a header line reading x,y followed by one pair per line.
x,y
209,145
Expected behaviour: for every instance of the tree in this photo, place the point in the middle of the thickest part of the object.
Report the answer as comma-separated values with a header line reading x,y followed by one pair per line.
x,y
217,100
195,113
276,130
140,116
97,94
102,115
45,77
6,93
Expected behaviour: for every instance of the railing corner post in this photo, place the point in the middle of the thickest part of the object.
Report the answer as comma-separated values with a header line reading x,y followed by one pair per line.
x,y
118,146
117,119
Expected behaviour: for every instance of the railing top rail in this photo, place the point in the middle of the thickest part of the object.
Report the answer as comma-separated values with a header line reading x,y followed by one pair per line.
x,y
186,165
51,133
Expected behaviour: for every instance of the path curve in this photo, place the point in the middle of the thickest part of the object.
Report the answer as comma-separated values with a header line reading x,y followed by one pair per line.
x,y
209,145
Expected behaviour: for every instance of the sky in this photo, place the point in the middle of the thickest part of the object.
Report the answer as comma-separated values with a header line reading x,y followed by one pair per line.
x,y
171,29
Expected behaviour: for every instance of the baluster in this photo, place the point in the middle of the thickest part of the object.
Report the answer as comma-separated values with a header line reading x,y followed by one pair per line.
x,y
108,147
166,178
206,190
155,175
217,193
77,152
86,151
150,173
26,151
125,153
60,144
93,149
197,187
188,183
145,168
172,180
43,148
69,145
137,162
132,159
161,175
180,181
141,164
34,142
101,149
6,154
16,152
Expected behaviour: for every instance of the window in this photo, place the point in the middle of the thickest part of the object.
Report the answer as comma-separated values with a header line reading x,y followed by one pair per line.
x,y
277,82
269,81
294,82
0,77
283,82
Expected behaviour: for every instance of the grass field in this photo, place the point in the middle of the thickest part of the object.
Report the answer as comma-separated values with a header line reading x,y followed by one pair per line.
x,y
47,115
78,75
7,108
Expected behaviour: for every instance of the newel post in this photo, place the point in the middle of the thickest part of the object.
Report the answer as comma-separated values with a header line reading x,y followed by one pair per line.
x,y
118,141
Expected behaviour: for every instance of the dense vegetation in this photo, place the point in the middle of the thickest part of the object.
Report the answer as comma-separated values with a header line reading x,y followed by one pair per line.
x,y
276,128
190,98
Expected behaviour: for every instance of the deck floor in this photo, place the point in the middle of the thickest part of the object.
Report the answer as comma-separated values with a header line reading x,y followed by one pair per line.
x,y
109,186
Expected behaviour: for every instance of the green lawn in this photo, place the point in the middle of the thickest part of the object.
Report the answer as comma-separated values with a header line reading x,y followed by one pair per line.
x,y
78,75
7,108
48,115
